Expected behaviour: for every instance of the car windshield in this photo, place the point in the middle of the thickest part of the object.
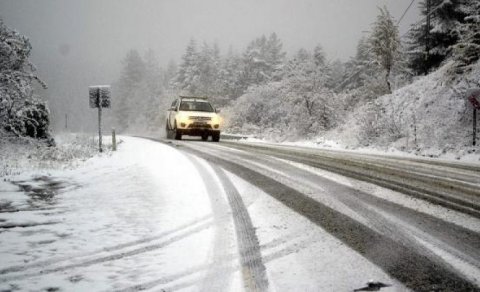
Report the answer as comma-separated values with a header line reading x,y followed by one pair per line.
x,y
196,106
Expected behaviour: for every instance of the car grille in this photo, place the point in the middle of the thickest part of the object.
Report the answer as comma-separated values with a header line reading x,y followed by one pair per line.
x,y
199,126
195,118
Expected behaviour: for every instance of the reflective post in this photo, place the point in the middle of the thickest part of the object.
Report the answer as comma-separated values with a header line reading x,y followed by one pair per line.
x,y
114,140
474,126
99,122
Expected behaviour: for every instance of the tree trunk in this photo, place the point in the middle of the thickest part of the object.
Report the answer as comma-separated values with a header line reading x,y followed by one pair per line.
x,y
389,86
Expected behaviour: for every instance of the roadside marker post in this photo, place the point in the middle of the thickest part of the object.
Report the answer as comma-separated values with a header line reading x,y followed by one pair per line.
x,y
114,140
473,96
99,97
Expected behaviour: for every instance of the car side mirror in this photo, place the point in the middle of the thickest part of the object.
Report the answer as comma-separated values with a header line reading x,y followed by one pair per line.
x,y
217,110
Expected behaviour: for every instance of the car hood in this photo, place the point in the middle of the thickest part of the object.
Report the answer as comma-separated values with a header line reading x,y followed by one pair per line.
x,y
198,114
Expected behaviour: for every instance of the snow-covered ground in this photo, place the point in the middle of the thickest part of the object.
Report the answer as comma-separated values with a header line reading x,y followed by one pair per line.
x,y
150,216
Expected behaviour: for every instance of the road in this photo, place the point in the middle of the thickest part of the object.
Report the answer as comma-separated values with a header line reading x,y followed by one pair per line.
x,y
167,215
421,250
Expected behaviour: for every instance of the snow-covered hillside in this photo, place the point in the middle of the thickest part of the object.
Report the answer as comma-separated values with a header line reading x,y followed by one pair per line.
x,y
431,116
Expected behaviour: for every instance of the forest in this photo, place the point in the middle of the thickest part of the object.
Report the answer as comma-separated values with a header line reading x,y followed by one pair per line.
x,y
266,93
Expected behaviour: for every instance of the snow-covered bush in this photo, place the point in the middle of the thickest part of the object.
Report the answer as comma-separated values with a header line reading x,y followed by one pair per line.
x,y
300,105
20,154
380,124
260,108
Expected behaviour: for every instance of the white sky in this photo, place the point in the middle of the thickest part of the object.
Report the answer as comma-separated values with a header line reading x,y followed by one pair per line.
x,y
110,28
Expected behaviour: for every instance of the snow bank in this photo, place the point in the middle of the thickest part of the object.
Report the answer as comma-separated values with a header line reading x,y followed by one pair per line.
x,y
19,155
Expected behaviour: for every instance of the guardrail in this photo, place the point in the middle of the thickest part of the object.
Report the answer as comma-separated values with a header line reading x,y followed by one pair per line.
x,y
234,137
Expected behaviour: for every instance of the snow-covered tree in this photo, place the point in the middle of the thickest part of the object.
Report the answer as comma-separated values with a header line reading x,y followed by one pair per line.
x,y
467,51
153,89
275,56
307,77
169,74
262,61
132,75
189,71
445,18
21,111
208,67
363,80
337,73
385,43
230,73
300,104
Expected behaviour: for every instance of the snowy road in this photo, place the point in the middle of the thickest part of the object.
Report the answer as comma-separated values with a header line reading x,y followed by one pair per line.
x,y
190,215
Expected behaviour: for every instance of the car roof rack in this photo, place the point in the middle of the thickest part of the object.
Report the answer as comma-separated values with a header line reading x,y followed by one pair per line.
x,y
193,97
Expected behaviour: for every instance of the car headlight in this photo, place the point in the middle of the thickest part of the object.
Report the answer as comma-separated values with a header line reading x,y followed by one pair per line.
x,y
216,120
182,119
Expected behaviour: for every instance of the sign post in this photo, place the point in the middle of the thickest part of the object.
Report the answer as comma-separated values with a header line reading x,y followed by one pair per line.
x,y
99,98
473,96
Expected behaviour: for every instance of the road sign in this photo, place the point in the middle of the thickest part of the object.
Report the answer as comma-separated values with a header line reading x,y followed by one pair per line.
x,y
473,96
99,96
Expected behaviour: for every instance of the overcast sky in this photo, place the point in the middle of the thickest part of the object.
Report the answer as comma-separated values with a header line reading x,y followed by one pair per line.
x,y
85,40
109,28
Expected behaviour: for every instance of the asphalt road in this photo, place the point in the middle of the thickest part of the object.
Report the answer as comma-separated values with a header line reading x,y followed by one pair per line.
x,y
423,251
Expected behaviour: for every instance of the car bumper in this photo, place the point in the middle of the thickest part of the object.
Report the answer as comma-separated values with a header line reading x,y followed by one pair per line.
x,y
197,131
198,127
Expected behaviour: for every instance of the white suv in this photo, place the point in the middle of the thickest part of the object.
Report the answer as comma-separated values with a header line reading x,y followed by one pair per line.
x,y
193,116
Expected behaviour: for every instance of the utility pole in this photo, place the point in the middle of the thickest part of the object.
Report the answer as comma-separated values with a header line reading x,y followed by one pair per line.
x,y
427,38
66,121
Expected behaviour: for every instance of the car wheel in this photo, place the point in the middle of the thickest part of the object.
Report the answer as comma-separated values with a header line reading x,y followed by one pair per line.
x,y
168,133
177,133
204,137
216,137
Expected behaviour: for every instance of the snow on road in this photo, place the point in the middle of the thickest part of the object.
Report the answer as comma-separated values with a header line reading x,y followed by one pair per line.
x,y
152,217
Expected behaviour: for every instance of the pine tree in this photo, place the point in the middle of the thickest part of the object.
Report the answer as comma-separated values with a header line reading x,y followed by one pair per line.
x,y
319,56
189,71
153,92
255,65
230,75
362,80
208,63
262,61
133,74
467,51
385,43
428,50
275,56
169,74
